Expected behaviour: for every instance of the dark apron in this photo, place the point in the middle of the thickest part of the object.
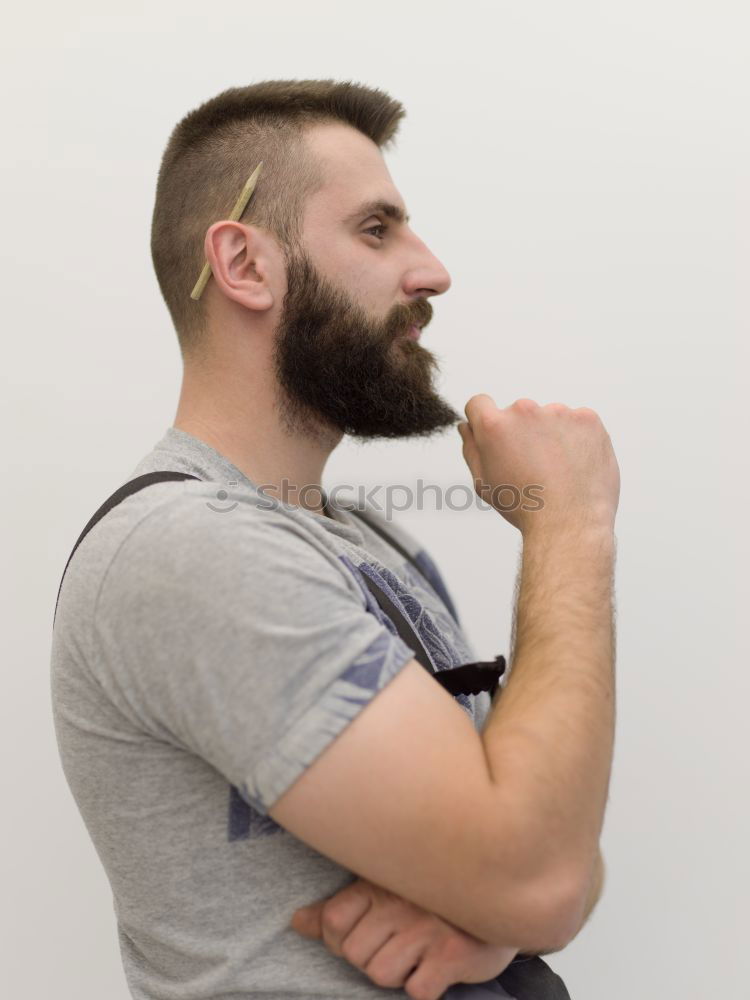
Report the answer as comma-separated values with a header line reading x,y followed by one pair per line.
x,y
526,978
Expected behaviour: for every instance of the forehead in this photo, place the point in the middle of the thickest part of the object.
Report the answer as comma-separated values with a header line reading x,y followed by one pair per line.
x,y
356,175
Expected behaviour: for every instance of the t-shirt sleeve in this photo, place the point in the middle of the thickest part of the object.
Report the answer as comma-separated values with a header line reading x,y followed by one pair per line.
x,y
242,638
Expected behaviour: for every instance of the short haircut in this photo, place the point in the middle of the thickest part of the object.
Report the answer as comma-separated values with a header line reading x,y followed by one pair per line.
x,y
214,149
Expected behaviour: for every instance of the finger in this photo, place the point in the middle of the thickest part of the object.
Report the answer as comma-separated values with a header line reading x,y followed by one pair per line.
x,y
470,449
473,460
479,406
307,921
398,959
364,941
342,913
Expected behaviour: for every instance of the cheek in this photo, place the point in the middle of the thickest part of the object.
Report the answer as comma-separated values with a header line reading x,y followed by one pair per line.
x,y
359,273
359,281
352,264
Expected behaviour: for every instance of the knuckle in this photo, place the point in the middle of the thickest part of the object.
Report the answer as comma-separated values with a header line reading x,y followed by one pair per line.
x,y
556,408
335,917
487,421
382,975
452,948
586,412
423,991
479,410
525,405
451,952
471,405
349,951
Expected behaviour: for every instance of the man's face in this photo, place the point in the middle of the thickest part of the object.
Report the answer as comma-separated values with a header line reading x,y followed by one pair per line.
x,y
343,354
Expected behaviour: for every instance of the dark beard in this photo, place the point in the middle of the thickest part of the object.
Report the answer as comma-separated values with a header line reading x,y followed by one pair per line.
x,y
337,369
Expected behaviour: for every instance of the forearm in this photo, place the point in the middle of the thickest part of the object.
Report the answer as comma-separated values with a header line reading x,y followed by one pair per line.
x,y
550,733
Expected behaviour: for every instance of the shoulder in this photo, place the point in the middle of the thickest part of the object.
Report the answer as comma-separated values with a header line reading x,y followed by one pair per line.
x,y
208,534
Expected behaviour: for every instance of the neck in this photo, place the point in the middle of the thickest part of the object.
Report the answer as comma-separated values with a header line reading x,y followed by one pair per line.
x,y
239,416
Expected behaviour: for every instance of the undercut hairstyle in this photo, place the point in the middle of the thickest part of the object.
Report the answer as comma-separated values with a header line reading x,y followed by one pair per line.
x,y
210,155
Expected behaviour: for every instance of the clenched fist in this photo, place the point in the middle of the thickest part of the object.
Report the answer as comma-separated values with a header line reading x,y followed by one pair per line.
x,y
566,455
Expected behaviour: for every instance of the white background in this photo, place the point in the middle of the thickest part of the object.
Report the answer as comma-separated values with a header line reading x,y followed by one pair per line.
x,y
581,169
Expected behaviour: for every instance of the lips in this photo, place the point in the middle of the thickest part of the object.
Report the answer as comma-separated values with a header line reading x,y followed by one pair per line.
x,y
413,332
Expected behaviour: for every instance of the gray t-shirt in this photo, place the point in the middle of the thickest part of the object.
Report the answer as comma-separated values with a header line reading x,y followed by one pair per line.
x,y
208,647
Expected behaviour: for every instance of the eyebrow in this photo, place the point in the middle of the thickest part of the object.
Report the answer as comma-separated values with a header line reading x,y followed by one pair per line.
x,y
379,206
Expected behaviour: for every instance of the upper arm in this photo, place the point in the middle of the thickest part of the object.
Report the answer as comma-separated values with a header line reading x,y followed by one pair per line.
x,y
248,644
403,797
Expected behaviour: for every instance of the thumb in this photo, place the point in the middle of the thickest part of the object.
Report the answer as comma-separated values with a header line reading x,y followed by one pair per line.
x,y
470,449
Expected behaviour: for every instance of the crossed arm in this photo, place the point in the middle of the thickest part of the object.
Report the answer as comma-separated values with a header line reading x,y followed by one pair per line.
x,y
595,891
397,944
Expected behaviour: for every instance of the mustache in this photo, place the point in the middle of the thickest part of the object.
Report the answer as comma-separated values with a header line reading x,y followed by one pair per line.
x,y
419,314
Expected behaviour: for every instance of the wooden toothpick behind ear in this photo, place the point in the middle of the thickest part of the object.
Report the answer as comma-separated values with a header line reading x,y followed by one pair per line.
x,y
234,215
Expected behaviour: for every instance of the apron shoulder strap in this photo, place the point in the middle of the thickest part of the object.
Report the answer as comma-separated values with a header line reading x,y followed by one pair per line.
x,y
117,497
468,679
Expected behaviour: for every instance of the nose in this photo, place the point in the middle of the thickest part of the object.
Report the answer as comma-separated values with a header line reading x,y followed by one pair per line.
x,y
427,276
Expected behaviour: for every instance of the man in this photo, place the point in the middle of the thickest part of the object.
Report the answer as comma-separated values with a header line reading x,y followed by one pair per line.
x,y
241,725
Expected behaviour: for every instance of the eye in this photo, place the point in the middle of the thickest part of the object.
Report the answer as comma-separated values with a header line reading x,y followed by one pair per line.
x,y
373,228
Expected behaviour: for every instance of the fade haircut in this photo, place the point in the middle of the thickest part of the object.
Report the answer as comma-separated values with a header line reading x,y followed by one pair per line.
x,y
214,149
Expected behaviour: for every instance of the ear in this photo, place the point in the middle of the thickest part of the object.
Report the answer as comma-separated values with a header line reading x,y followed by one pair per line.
x,y
240,263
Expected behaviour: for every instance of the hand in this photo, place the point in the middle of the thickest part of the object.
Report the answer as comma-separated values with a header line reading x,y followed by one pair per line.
x,y
397,944
568,453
